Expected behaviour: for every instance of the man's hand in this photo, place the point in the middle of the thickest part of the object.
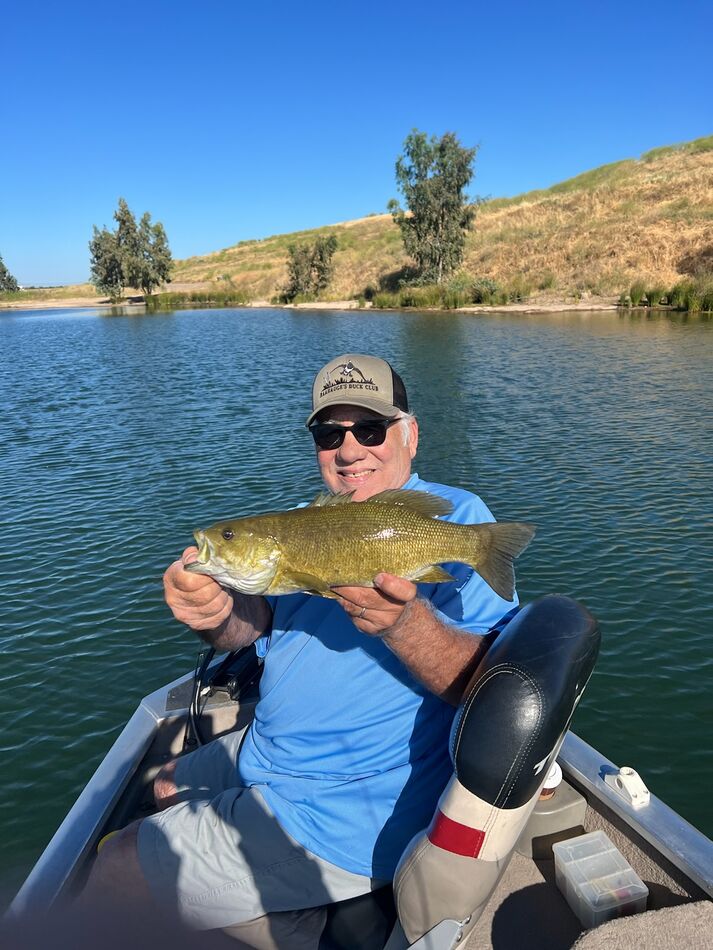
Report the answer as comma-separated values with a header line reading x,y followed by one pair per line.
x,y
195,599
375,610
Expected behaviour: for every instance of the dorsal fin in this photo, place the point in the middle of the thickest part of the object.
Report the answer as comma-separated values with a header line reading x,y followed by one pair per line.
x,y
430,506
326,498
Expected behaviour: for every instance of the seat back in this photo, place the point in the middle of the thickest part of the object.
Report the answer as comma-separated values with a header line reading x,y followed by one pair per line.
x,y
506,734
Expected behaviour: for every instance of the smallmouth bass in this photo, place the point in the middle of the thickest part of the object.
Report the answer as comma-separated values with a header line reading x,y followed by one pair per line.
x,y
336,542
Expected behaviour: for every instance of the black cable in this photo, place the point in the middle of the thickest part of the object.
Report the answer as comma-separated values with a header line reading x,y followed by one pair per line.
x,y
192,736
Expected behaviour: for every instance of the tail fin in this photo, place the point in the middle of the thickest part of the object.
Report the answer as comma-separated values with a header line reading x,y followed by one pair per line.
x,y
504,542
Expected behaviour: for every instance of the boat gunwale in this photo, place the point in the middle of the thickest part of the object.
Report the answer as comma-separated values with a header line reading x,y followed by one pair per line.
x,y
63,856
672,836
687,848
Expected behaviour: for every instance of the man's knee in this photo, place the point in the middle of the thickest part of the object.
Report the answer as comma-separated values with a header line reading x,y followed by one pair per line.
x,y
117,872
296,929
164,786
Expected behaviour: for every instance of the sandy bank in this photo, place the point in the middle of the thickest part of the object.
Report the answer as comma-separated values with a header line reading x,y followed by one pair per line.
x,y
551,306
64,303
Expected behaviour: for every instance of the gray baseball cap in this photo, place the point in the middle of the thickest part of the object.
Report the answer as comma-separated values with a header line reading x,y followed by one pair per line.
x,y
355,379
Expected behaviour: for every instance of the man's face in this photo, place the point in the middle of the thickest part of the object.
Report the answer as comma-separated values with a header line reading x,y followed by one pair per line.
x,y
366,470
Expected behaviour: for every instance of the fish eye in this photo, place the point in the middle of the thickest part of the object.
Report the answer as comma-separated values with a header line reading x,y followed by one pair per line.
x,y
228,534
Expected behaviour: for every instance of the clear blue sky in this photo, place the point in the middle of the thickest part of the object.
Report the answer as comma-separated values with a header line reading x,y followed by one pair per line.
x,y
229,120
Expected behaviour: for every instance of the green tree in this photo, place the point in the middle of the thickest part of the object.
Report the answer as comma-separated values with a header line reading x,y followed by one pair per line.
x,y
131,256
7,281
156,260
432,175
309,267
128,243
106,272
322,265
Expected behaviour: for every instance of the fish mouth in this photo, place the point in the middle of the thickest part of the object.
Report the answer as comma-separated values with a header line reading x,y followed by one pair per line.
x,y
205,554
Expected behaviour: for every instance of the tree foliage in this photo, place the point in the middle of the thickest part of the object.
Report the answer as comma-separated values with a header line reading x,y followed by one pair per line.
x,y
106,272
309,267
131,256
7,281
156,260
432,175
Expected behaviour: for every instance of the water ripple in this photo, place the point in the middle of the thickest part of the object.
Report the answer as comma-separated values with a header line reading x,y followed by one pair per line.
x,y
121,435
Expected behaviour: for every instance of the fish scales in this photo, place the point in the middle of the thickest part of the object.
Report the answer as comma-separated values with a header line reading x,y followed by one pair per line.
x,y
337,542
352,543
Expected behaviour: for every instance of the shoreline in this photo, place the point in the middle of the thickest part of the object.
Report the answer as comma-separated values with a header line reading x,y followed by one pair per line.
x,y
75,303
67,303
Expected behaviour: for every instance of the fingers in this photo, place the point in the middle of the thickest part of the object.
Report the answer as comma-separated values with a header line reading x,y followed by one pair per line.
x,y
397,587
375,610
185,581
195,599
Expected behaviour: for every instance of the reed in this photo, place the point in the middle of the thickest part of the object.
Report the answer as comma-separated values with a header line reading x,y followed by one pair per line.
x,y
694,295
655,294
462,290
637,293
204,298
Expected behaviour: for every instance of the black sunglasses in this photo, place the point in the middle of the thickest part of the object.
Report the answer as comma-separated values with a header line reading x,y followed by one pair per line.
x,y
329,435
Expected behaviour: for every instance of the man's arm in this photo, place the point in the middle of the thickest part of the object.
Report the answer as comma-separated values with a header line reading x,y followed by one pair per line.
x,y
439,655
224,619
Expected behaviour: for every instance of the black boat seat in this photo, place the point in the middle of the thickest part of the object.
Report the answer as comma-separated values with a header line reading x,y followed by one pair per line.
x,y
506,734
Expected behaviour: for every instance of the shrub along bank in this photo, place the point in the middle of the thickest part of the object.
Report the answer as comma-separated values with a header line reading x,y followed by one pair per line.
x,y
196,298
694,295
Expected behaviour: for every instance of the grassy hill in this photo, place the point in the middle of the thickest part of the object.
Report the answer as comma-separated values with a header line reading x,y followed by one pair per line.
x,y
648,219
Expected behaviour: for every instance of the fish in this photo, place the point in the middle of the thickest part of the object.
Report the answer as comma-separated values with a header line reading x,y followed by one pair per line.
x,y
338,542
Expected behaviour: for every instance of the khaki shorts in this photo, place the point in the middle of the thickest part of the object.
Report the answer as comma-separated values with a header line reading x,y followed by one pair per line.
x,y
219,857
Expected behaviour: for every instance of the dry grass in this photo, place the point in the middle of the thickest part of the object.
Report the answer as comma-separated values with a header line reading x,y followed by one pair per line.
x,y
368,247
649,219
50,293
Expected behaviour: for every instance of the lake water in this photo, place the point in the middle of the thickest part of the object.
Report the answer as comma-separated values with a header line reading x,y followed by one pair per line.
x,y
120,434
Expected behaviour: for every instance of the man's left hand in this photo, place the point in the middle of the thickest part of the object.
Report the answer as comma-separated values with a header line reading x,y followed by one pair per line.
x,y
375,610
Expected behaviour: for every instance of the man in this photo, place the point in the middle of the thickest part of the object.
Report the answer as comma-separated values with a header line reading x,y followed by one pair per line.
x,y
348,751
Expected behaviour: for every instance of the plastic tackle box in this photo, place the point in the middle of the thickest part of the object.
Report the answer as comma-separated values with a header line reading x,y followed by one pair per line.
x,y
596,880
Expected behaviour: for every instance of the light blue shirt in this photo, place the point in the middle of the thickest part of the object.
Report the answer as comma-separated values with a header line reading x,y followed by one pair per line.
x,y
348,750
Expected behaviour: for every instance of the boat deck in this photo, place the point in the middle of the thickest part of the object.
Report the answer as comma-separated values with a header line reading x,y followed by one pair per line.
x,y
528,910
525,910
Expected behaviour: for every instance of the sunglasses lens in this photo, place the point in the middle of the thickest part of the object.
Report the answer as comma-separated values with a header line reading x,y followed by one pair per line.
x,y
370,433
366,433
328,437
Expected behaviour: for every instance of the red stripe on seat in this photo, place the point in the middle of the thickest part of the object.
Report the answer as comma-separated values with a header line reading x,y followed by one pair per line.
x,y
452,836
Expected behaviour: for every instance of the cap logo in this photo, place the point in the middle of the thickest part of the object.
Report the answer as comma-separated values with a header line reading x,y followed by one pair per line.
x,y
345,379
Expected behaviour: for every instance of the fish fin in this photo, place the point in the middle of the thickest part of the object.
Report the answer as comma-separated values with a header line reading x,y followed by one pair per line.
x,y
430,506
326,498
310,584
507,541
431,574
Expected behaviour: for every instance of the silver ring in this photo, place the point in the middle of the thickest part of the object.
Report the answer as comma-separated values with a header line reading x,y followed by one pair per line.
x,y
363,611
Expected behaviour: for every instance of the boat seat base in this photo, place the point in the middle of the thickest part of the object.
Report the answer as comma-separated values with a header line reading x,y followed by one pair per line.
x,y
360,923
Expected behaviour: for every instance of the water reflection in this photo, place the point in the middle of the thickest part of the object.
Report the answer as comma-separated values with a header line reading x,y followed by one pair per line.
x,y
123,435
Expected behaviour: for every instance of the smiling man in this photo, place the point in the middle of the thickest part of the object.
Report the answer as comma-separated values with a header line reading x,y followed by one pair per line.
x,y
348,750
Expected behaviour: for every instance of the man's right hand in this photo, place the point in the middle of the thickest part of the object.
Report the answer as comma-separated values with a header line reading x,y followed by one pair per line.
x,y
195,599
